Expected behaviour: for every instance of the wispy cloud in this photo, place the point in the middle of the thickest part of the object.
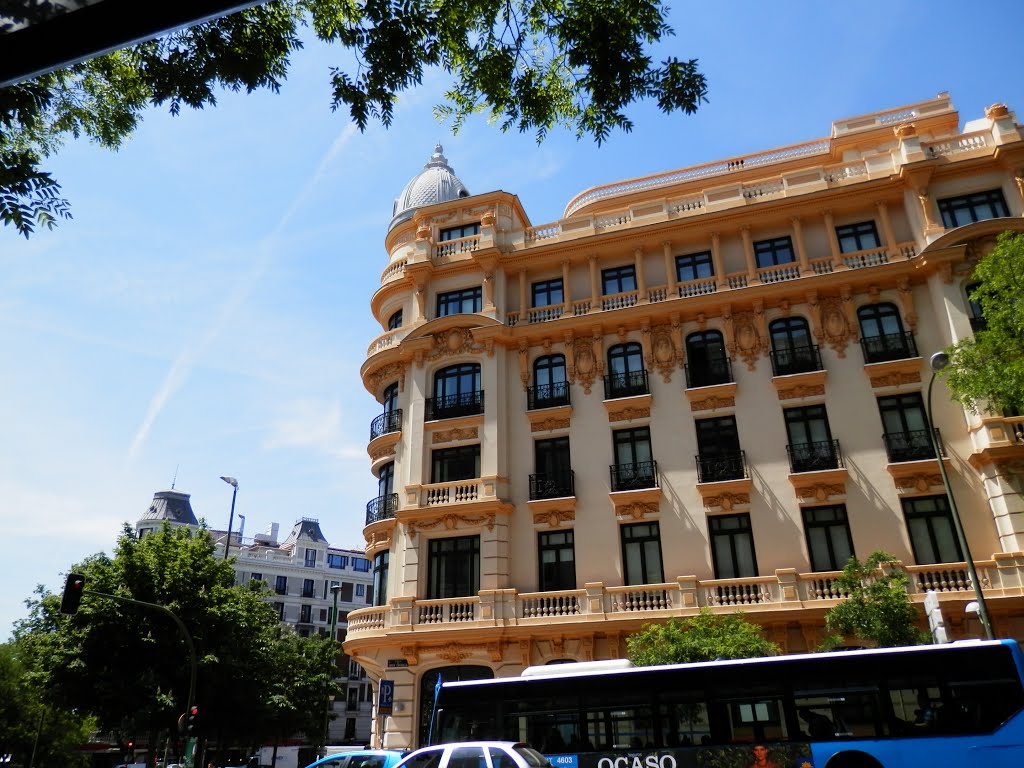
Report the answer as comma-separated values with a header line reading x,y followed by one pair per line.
x,y
315,424
194,349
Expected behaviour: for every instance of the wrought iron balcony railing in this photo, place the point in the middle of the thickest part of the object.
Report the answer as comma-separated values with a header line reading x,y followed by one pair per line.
x,y
915,445
462,404
786,362
888,346
709,373
627,384
381,508
812,457
544,486
387,422
715,467
547,395
633,477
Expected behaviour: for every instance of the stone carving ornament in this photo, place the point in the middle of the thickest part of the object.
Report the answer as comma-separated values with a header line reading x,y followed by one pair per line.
x,y
833,327
451,522
554,518
665,356
586,364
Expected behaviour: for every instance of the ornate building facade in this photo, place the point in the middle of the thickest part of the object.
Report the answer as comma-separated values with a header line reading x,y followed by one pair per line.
x,y
703,388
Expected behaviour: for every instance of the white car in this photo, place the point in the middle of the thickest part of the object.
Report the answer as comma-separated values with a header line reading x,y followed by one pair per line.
x,y
476,754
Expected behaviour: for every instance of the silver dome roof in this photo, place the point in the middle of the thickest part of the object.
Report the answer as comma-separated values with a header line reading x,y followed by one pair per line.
x,y
436,183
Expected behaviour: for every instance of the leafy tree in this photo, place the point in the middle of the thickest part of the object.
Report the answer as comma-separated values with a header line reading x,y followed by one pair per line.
x,y
128,665
27,723
704,637
989,367
528,64
878,609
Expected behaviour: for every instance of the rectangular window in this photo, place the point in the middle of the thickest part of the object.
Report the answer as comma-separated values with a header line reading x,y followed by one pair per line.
x,y
255,577
553,476
695,266
906,433
548,293
455,233
556,552
828,537
336,561
618,280
932,535
718,445
967,209
310,558
306,614
464,302
771,253
281,585
279,608
307,587
861,236
323,614
327,588
732,546
346,592
634,462
360,564
641,553
360,590
810,447
454,567
381,565
458,463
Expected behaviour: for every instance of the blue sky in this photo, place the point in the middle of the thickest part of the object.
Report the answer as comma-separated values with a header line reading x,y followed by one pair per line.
x,y
207,308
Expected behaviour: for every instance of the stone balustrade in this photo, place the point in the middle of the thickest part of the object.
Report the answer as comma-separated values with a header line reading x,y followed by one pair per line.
x,y
786,590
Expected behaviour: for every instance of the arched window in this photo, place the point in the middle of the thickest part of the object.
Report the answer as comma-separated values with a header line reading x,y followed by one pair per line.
x,y
391,397
881,334
707,362
626,373
550,387
792,351
428,683
456,392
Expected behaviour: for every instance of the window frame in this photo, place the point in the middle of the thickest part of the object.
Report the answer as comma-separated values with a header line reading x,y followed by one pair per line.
x,y
831,528
694,262
395,320
857,232
455,302
773,248
746,530
451,458
950,207
615,277
438,586
941,511
458,232
643,572
555,578
545,289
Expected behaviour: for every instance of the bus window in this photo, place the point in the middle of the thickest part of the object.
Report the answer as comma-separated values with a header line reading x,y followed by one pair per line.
x,y
757,720
623,727
837,715
684,723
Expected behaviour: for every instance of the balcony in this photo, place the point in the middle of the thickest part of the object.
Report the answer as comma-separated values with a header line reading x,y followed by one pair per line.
x,y
453,406
629,384
787,362
719,467
814,457
915,445
784,592
381,508
547,396
888,346
543,486
634,477
386,423
709,373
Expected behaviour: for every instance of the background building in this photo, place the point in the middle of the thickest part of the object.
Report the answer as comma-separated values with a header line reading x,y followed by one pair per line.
x,y
703,388
300,572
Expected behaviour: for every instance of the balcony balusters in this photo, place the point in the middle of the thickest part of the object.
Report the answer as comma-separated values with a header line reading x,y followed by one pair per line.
x,y
452,406
381,508
387,422
714,468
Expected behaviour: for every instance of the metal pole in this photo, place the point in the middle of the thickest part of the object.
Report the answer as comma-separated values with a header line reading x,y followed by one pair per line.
x,y
231,520
335,588
958,525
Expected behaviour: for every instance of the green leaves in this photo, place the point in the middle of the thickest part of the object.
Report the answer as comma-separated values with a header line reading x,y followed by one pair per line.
x,y
878,610
529,65
704,637
986,372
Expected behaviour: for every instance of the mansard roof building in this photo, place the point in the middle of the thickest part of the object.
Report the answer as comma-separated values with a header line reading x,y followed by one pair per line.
x,y
704,388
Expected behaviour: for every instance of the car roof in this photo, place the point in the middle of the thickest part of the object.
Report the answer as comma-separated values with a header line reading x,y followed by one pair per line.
x,y
396,754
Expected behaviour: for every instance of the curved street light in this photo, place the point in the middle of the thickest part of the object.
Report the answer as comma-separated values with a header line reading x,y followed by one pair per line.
x,y
937,362
231,518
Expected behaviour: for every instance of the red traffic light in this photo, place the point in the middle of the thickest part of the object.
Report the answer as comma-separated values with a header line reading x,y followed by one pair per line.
x,y
74,587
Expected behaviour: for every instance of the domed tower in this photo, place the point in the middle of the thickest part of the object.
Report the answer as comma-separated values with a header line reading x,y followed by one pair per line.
x,y
436,183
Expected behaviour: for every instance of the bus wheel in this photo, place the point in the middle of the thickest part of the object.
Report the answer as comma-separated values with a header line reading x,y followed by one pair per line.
x,y
853,760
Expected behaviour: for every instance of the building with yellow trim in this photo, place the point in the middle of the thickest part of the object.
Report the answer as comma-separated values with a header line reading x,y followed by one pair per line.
x,y
702,388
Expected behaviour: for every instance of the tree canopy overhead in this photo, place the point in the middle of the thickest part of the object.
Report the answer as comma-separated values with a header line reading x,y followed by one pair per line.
x,y
986,371
529,65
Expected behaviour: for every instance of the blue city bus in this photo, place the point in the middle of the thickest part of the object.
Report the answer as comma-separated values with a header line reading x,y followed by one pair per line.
x,y
958,704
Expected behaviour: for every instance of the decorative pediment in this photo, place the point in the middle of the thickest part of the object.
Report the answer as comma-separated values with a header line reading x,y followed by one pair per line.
x,y
450,522
554,518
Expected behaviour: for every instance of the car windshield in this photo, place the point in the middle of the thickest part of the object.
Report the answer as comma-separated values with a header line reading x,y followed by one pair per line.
x,y
532,756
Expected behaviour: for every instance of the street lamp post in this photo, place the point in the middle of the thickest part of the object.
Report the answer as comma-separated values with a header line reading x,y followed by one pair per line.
x,y
231,519
938,361
335,589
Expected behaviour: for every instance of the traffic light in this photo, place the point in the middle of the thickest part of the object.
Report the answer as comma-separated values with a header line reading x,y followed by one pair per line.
x,y
74,586
193,719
